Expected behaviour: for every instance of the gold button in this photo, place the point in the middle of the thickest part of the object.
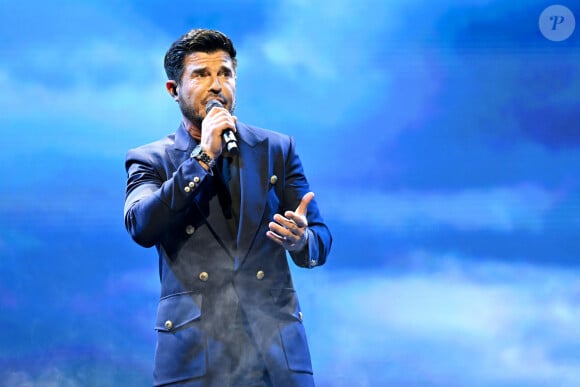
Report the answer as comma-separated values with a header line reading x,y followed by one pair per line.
x,y
203,276
191,184
196,179
260,274
189,229
169,325
300,316
273,179
187,189
312,262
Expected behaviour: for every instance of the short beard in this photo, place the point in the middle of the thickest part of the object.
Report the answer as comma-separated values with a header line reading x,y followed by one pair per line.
x,y
190,113
194,117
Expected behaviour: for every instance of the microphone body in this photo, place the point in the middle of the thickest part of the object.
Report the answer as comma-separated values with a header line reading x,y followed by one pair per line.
x,y
228,135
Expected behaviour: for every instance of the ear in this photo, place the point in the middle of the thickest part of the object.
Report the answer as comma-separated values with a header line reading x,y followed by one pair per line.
x,y
171,87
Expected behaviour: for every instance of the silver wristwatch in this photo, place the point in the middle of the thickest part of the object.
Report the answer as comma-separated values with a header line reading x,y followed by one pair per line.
x,y
199,154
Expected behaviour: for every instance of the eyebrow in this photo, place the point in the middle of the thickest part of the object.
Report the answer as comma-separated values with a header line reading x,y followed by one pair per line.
x,y
204,69
199,70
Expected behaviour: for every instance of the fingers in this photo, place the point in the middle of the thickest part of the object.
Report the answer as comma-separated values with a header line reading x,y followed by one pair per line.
x,y
293,223
289,230
287,227
221,116
283,241
235,122
289,243
286,232
219,119
303,206
213,126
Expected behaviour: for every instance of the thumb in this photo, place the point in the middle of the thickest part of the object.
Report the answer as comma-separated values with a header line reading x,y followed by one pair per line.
x,y
303,206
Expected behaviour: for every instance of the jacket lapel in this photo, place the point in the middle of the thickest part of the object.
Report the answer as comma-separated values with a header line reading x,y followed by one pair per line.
x,y
254,156
215,219
183,145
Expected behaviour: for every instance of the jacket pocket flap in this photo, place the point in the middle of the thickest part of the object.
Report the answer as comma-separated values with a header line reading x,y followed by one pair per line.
x,y
178,310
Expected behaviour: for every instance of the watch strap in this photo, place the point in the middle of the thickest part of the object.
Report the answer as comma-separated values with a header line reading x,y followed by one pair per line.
x,y
199,154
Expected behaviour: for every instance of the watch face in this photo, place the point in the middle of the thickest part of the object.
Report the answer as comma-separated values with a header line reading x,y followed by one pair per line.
x,y
199,154
196,151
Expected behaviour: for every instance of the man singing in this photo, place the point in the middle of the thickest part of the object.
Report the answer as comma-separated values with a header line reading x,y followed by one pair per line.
x,y
222,202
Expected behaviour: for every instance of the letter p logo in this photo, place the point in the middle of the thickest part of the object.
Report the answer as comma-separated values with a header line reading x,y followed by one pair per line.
x,y
557,23
557,20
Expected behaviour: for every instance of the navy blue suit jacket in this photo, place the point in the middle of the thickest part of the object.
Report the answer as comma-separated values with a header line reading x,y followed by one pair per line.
x,y
206,273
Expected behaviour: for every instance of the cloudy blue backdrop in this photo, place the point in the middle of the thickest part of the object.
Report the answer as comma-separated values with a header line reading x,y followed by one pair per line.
x,y
441,138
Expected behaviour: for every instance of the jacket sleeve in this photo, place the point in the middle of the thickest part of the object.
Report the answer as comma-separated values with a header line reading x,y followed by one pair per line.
x,y
319,237
156,196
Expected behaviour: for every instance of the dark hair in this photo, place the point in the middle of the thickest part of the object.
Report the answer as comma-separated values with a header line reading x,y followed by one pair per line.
x,y
196,40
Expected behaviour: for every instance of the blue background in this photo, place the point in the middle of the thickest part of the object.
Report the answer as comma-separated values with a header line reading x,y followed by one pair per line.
x,y
441,139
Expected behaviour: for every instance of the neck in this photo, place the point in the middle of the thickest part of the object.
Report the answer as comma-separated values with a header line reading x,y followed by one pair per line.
x,y
193,129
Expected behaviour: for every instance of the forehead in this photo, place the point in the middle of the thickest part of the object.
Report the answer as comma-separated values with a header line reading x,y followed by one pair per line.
x,y
215,59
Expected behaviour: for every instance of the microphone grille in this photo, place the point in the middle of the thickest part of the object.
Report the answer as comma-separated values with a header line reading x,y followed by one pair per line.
x,y
211,104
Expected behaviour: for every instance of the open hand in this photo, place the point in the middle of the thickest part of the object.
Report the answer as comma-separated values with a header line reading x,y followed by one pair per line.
x,y
289,230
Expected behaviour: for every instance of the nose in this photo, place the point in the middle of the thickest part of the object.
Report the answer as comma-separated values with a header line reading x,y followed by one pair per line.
x,y
216,85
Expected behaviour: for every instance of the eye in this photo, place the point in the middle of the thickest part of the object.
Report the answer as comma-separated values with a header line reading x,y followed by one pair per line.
x,y
226,73
199,74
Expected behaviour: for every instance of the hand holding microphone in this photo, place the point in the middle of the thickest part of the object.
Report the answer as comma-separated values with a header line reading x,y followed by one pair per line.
x,y
228,136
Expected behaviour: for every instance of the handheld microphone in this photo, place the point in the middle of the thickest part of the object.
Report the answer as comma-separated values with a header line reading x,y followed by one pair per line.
x,y
228,135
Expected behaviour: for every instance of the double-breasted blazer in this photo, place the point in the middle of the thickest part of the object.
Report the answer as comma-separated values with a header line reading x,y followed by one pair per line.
x,y
206,272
